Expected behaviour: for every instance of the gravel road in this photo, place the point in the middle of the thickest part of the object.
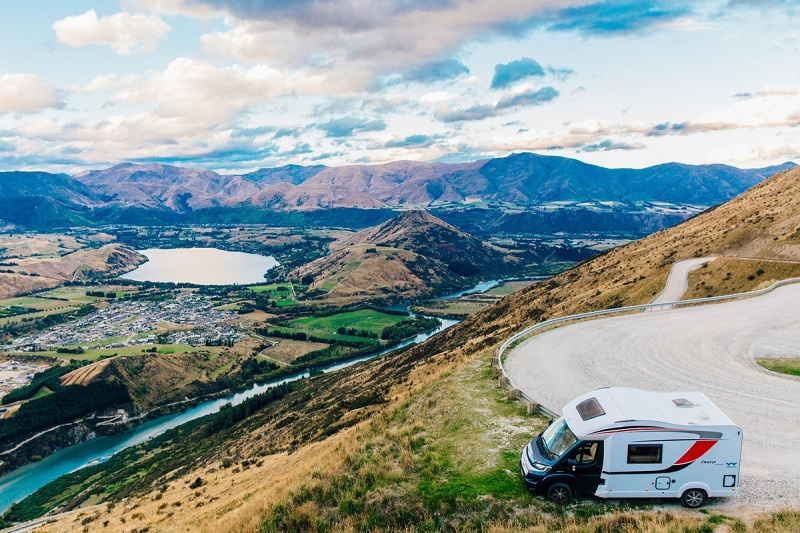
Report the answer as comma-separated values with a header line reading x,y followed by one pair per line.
x,y
677,282
710,348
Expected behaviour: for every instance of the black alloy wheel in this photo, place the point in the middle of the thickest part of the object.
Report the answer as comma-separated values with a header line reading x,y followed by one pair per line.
x,y
559,493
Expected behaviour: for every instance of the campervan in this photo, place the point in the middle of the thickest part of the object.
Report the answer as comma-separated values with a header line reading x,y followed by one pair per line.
x,y
620,442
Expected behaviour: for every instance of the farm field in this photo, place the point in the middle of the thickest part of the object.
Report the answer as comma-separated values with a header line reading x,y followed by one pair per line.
x,y
365,320
509,287
287,350
39,314
93,354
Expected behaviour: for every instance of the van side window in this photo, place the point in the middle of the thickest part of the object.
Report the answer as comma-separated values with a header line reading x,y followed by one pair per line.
x,y
584,454
644,453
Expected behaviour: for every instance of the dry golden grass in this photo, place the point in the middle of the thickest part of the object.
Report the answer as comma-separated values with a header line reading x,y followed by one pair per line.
x,y
14,284
728,275
287,350
353,272
51,269
19,246
85,374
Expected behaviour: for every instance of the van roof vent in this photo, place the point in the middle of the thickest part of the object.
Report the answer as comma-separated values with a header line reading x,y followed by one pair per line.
x,y
590,408
682,402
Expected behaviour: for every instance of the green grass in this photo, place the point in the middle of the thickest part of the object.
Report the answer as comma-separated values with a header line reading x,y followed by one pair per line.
x,y
217,371
272,288
164,349
509,287
450,451
365,319
326,335
30,301
44,391
78,294
783,366
328,285
40,314
288,302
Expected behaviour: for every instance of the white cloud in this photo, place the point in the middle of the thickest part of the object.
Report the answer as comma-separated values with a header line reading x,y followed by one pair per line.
x,y
770,107
26,93
201,93
124,32
103,82
437,98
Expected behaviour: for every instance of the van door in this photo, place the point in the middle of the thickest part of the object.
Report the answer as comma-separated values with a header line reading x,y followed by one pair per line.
x,y
586,464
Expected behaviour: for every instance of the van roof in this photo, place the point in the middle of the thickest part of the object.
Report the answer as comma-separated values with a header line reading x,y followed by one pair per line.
x,y
614,407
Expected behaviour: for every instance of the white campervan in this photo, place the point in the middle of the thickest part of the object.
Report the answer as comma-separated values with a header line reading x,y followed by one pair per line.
x,y
621,442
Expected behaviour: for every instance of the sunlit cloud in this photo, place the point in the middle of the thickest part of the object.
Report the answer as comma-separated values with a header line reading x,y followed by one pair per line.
x,y
124,32
26,93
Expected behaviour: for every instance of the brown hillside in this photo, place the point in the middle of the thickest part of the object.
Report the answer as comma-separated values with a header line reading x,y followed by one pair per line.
x,y
412,255
336,425
48,272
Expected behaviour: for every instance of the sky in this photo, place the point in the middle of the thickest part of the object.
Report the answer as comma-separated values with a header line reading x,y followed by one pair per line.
x,y
236,85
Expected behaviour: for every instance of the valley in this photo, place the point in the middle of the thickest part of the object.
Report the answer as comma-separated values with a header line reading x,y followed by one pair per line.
x,y
165,345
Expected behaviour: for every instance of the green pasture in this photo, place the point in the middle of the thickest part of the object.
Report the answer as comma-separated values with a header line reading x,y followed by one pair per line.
x,y
65,307
364,319
273,288
95,354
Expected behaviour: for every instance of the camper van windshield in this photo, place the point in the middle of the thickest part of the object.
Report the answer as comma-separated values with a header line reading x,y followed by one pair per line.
x,y
558,438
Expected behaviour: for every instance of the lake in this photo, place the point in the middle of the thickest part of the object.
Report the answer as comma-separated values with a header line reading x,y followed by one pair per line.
x,y
201,266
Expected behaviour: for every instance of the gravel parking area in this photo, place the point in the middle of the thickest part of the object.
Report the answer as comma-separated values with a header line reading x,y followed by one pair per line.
x,y
709,348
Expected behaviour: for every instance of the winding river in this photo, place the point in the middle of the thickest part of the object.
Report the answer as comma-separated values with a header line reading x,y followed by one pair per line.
x,y
23,481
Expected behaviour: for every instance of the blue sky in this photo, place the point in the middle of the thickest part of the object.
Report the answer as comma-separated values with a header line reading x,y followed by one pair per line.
x,y
234,85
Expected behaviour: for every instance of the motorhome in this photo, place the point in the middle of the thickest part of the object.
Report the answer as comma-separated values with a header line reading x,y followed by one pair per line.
x,y
620,442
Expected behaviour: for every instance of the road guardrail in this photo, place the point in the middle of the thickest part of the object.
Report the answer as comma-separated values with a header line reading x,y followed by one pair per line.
x,y
554,322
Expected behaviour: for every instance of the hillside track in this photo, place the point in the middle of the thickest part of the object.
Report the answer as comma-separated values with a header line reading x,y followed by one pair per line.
x,y
709,348
678,280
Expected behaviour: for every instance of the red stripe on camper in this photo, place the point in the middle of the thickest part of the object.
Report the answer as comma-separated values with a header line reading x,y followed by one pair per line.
x,y
698,449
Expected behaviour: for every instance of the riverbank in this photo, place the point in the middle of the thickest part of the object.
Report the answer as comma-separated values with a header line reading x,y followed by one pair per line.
x,y
29,478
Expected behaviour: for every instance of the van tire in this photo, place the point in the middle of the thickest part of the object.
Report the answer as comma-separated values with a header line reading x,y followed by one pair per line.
x,y
559,493
694,498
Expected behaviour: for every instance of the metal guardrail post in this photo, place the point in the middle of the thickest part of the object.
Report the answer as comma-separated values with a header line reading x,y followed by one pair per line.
x,y
509,383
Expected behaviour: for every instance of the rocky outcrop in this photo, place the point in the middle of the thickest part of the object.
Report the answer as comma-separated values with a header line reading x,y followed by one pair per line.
x,y
44,443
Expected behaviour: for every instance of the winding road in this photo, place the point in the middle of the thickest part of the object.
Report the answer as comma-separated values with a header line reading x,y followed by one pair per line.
x,y
711,348
678,282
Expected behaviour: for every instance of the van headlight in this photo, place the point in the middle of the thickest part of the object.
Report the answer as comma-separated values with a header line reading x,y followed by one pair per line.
x,y
538,467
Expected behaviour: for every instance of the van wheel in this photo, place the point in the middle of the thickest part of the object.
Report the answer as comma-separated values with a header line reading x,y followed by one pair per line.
x,y
694,498
559,493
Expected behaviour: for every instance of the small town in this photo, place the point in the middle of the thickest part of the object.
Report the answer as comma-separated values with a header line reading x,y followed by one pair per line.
x,y
15,374
132,323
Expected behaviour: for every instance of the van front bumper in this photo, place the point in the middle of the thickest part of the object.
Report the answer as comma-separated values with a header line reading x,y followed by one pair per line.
x,y
530,477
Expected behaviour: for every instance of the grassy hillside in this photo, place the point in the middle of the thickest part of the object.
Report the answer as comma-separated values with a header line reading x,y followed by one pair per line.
x,y
423,439
410,256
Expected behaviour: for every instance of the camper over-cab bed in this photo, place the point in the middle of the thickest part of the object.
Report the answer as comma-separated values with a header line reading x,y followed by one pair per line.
x,y
630,443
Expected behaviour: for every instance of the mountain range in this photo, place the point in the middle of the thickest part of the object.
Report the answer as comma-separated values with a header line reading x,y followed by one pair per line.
x,y
518,180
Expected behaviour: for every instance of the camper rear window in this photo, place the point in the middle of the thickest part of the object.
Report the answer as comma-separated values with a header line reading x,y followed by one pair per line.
x,y
589,409
644,453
